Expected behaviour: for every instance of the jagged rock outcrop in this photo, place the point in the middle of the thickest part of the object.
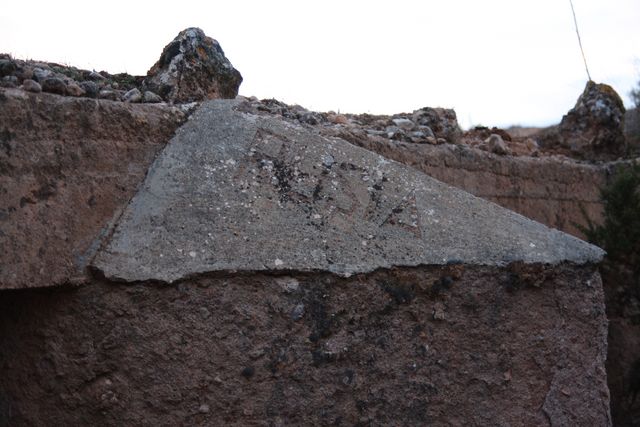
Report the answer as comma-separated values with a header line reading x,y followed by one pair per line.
x,y
594,126
193,68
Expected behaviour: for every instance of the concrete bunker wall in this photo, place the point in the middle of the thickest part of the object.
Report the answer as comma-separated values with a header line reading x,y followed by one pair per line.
x,y
444,342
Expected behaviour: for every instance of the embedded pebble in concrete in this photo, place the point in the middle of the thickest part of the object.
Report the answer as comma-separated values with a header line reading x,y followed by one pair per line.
x,y
235,191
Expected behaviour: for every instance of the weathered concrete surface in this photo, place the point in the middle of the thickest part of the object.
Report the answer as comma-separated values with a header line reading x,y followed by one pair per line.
x,y
66,166
437,346
550,190
235,191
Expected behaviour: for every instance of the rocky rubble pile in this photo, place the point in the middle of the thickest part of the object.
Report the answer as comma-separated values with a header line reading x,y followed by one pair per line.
x,y
432,126
593,130
34,76
191,68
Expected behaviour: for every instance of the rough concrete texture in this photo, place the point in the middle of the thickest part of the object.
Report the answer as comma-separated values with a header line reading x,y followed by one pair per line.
x,y
66,166
235,191
450,345
550,190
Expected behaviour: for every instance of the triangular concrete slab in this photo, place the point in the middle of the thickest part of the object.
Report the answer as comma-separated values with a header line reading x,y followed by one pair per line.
x,y
234,191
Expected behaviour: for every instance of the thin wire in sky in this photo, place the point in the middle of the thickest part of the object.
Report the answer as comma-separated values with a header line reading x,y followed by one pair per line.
x,y
584,58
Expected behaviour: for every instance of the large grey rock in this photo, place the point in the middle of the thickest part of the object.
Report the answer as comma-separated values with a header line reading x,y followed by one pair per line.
x,y
193,68
442,121
594,126
235,191
132,96
54,85
31,86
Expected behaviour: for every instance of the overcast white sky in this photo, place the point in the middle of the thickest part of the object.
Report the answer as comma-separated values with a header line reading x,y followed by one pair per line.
x,y
497,62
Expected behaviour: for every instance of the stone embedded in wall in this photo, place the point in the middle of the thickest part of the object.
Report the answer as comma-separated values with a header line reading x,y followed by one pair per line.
x,y
193,67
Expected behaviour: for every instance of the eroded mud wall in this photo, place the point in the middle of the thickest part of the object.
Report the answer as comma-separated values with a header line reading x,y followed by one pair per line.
x,y
66,166
446,345
550,190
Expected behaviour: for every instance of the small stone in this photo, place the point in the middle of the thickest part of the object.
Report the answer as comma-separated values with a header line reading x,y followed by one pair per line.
x,y
256,354
90,88
394,132
328,161
204,312
74,90
132,96
31,86
308,118
337,119
426,130
40,75
291,285
24,72
248,372
531,144
54,85
431,140
418,134
298,312
7,67
438,311
204,409
9,81
111,95
96,76
404,124
496,144
278,262
150,97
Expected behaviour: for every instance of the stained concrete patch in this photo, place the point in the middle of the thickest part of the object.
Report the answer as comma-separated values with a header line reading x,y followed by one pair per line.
x,y
234,191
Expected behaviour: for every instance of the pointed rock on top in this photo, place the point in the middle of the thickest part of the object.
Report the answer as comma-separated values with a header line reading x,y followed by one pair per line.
x,y
193,67
235,191
596,123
